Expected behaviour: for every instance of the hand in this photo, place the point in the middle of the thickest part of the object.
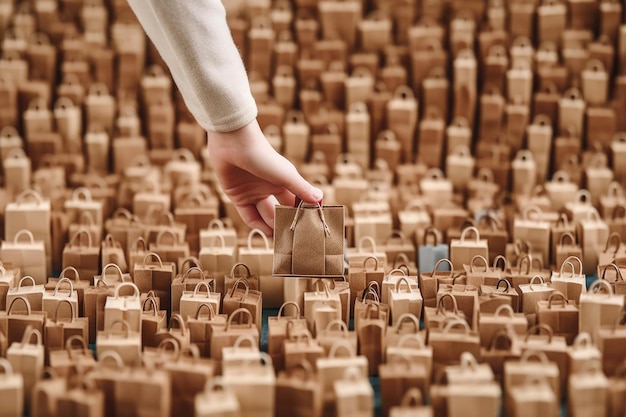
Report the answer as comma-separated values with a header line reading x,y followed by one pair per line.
x,y
255,177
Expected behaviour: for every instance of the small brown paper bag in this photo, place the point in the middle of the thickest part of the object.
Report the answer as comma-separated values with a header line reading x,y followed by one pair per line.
x,y
562,319
201,328
572,285
127,343
599,307
463,250
293,223
29,256
241,296
299,392
85,257
123,307
354,395
503,318
11,389
191,301
449,343
587,393
27,358
33,293
533,292
216,400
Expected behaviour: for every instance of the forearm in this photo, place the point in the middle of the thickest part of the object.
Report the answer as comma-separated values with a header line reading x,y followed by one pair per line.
x,y
194,40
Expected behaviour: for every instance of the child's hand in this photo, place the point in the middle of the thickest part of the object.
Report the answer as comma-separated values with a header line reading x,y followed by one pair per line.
x,y
256,177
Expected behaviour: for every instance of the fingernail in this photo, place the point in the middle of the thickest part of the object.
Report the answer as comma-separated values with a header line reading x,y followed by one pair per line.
x,y
318,194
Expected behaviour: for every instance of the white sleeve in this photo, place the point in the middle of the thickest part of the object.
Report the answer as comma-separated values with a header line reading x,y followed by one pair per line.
x,y
194,40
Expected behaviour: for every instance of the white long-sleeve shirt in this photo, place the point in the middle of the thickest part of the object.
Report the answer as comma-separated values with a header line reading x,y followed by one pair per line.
x,y
195,42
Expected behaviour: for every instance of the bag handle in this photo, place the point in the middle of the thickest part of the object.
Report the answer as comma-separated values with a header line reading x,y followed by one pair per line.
x,y
412,398
200,284
563,265
440,261
237,265
502,333
440,304
170,232
81,194
614,238
568,235
22,232
29,332
177,318
532,209
408,285
154,308
537,329
341,344
408,317
190,270
582,341
189,262
571,259
602,278
125,326
24,278
338,323
72,311
114,356
60,282
75,240
560,296
169,341
454,322
24,300
220,239
537,354
136,243
401,259
533,279
595,286
24,195
289,303
70,268
367,259
258,232
406,338
136,292
479,258
236,285
368,239
504,308
208,306
114,266
239,311
75,338
153,255
241,339
508,285
469,229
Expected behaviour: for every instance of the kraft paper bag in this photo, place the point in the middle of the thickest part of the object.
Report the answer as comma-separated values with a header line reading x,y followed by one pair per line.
x,y
583,354
32,212
81,401
219,258
258,377
429,254
503,318
240,271
29,256
216,400
296,228
187,281
571,284
225,336
111,251
242,296
121,339
610,339
354,395
398,375
404,299
429,281
191,301
599,307
450,342
27,358
463,250
336,330
532,227
277,331
371,330
412,405
299,392
32,293
593,232
153,321
58,332
82,253
156,274
11,389
52,298
560,314
201,328
301,347
531,398
124,307
588,391
534,292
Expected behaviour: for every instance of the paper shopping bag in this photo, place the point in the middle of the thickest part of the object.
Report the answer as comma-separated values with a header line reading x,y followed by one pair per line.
x,y
157,275
153,321
33,293
572,284
27,359
599,307
277,331
588,391
610,340
593,232
191,301
187,280
32,212
532,227
257,377
503,318
93,306
29,256
450,342
83,254
371,331
201,328
225,336
241,296
530,398
295,229
396,377
123,307
299,392
463,250
14,324
58,331
51,299
412,405
65,362
11,389
354,395
560,314
124,341
216,400
429,281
